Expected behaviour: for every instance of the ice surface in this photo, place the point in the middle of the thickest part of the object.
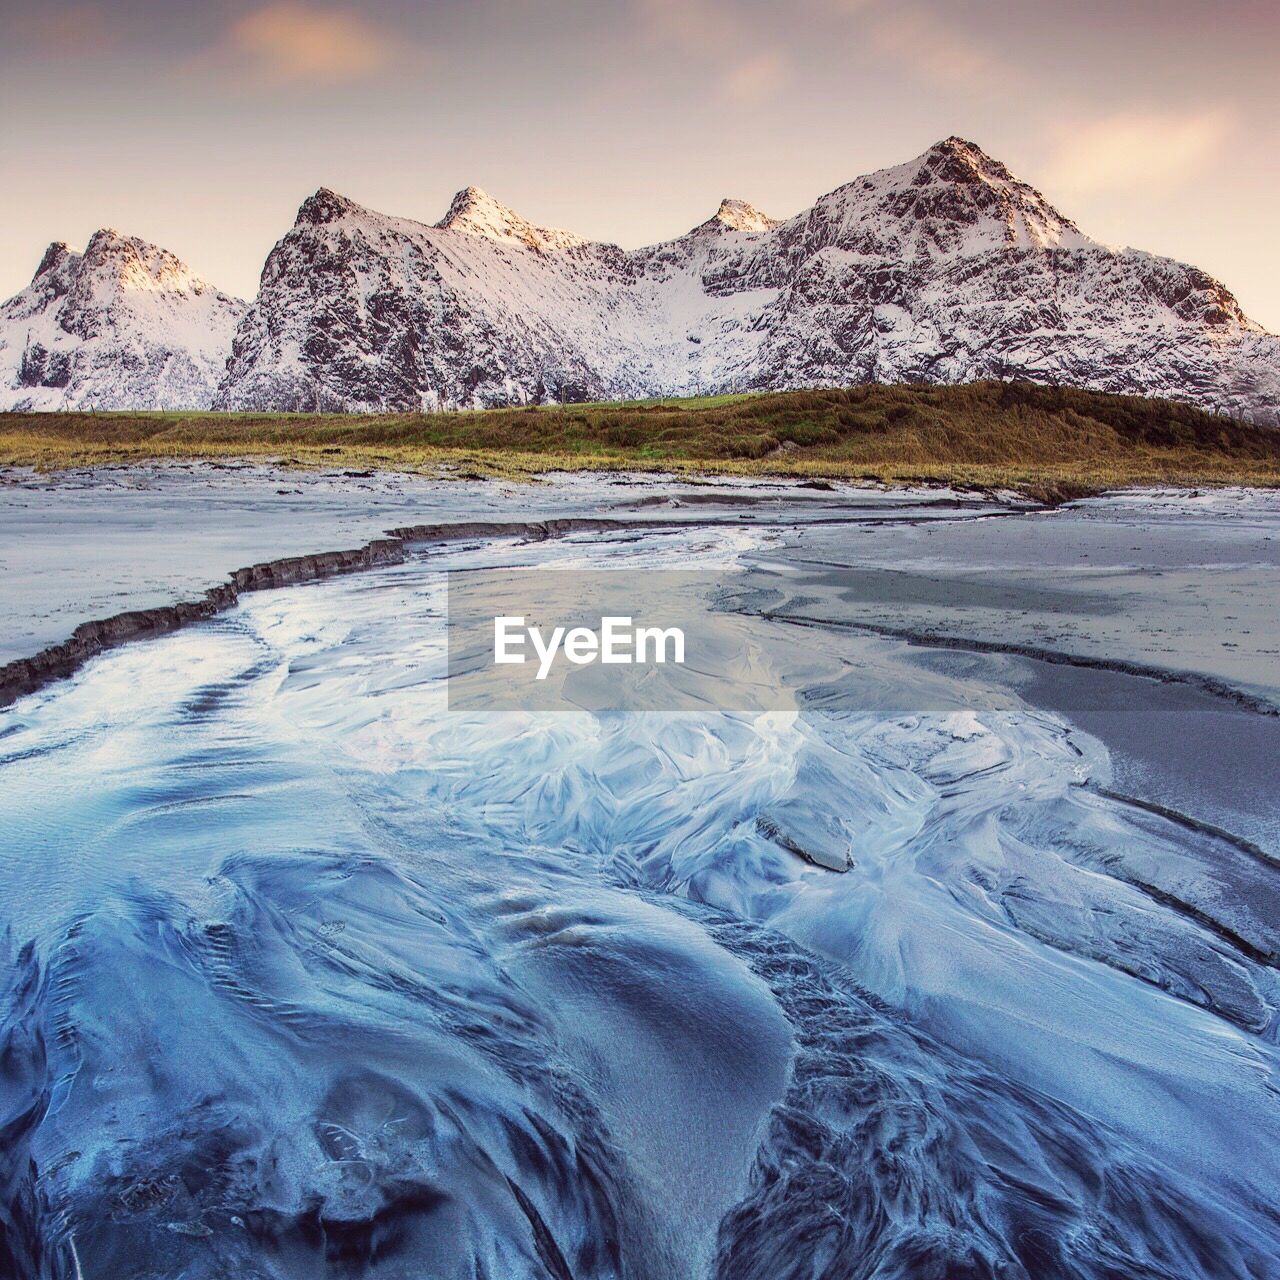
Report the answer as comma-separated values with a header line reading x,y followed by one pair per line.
x,y
314,976
1175,583
91,543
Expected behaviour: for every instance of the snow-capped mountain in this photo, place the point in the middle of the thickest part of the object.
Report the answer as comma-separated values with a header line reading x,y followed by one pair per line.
x,y
123,325
944,269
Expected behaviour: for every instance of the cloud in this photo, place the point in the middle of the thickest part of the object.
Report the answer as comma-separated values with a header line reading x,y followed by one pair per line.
x,y
289,43
741,61
755,78
751,51
1135,149
922,43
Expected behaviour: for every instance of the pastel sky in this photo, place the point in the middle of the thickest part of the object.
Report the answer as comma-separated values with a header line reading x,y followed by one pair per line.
x,y
202,126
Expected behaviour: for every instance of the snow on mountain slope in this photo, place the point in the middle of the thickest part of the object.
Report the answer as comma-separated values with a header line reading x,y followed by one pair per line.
x,y
949,269
944,269
360,310
477,213
125,325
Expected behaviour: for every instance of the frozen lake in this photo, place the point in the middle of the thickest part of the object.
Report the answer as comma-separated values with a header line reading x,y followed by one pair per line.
x,y
308,974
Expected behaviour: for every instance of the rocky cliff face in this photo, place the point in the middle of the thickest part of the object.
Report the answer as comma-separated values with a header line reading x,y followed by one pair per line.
x,y
361,311
949,269
944,269
123,325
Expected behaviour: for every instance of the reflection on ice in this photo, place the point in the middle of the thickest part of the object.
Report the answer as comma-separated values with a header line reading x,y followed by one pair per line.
x,y
312,976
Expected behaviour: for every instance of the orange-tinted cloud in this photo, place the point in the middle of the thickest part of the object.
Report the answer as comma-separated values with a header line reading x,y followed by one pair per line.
x,y
1135,149
743,62
289,42
924,43
754,78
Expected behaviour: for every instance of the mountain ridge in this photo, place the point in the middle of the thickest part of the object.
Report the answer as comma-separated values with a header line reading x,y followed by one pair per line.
x,y
947,268
123,325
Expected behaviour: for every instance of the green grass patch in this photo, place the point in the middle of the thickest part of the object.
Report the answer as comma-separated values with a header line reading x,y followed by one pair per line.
x,y
1038,439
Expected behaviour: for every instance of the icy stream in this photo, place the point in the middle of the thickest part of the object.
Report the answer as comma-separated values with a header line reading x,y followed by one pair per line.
x,y
308,975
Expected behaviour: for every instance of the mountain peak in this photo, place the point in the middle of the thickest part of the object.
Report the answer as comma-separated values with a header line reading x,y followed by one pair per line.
x,y
107,239
475,212
732,215
56,256
946,267
130,263
956,159
740,215
957,199
955,145
324,206
123,325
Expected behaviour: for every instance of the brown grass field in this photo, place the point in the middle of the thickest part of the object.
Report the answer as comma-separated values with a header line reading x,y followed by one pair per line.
x,y
1049,442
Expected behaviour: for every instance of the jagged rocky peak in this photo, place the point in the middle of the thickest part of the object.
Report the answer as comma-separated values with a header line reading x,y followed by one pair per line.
x,y
115,261
324,206
123,325
475,212
740,215
974,185
952,200
956,159
947,268
57,257
57,270
112,259
732,215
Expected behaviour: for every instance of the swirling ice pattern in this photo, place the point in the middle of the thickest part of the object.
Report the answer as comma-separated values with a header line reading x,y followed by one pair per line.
x,y
310,978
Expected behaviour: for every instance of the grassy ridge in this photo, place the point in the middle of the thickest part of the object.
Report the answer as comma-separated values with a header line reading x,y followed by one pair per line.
x,y
1047,439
